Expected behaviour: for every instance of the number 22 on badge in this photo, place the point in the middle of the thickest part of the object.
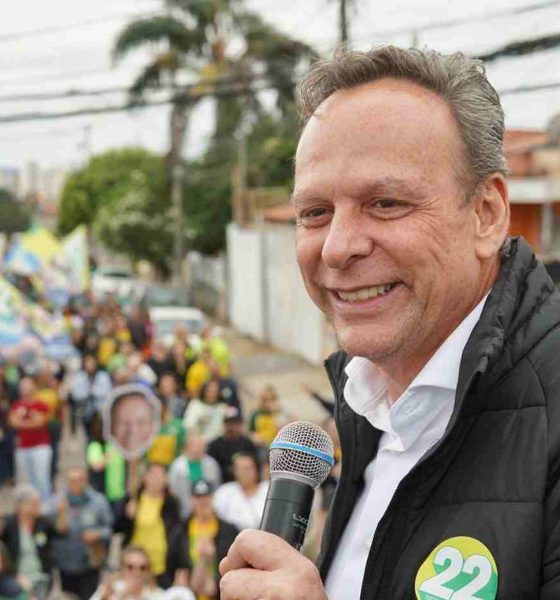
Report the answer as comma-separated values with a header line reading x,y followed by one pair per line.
x,y
460,568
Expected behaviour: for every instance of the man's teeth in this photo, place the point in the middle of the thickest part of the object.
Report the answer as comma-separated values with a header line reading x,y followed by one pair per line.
x,y
365,293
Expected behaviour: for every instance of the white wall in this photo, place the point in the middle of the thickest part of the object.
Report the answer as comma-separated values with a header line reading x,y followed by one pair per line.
x,y
267,298
294,322
245,297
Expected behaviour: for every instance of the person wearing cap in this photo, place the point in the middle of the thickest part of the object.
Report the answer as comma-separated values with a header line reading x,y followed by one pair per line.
x,y
231,442
241,501
191,466
203,542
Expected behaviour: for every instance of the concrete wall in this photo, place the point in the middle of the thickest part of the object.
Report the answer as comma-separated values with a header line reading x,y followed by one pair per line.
x,y
208,282
245,275
294,322
264,263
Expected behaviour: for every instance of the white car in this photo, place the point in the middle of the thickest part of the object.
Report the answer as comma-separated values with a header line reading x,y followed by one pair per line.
x,y
166,319
113,280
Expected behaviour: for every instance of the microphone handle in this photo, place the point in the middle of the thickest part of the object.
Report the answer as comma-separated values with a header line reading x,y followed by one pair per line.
x,y
287,509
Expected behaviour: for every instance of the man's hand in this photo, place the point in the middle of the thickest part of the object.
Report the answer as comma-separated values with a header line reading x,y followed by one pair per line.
x,y
262,566
90,536
131,508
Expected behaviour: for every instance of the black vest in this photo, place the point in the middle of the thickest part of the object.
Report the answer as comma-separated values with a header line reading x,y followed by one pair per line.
x,y
490,488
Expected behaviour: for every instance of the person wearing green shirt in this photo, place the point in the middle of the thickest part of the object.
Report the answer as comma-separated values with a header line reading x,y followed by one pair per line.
x,y
104,459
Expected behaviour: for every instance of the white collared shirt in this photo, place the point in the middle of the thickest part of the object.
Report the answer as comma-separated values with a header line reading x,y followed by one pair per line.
x,y
411,426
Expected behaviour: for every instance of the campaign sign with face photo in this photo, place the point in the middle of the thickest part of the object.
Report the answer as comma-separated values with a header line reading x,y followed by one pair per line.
x,y
131,419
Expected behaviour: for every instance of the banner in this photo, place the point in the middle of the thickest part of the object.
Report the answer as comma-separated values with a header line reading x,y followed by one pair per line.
x,y
76,255
42,243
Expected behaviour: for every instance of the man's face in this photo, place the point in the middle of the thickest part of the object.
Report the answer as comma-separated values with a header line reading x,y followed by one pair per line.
x,y
233,428
132,422
385,242
245,471
77,481
168,385
202,506
195,446
27,388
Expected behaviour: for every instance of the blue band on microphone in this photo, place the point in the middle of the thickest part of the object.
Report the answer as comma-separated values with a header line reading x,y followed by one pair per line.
x,y
305,449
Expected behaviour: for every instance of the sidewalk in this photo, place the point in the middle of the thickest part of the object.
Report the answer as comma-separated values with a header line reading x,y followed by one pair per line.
x,y
256,365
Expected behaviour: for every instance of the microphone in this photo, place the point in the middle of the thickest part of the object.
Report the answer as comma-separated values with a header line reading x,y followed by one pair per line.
x,y
301,457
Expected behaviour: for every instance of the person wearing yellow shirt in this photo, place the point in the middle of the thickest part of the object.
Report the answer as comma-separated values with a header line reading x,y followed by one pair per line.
x,y
201,371
218,347
149,521
203,542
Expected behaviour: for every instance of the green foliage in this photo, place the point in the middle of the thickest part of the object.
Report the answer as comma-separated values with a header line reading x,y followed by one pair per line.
x,y
104,181
130,212
136,225
6,195
156,29
207,205
14,216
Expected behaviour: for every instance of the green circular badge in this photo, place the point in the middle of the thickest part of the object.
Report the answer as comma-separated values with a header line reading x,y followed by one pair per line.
x,y
460,568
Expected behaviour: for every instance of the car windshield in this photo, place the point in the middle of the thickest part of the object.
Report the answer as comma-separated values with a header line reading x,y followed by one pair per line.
x,y
164,297
109,272
168,326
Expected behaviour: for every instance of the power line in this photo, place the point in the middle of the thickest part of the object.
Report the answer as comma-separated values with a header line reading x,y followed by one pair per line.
x,y
523,89
31,33
449,23
523,47
221,91
186,94
68,94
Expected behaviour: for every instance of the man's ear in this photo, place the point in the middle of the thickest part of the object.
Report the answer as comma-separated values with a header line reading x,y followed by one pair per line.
x,y
491,211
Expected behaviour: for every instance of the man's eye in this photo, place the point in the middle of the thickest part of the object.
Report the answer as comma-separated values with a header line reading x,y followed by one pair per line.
x,y
387,203
312,216
313,212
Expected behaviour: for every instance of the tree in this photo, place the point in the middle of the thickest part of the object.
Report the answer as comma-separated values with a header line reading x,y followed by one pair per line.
x,y
136,225
104,181
14,216
195,41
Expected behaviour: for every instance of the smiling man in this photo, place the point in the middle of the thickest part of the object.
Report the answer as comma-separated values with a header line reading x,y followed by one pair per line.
x,y
448,397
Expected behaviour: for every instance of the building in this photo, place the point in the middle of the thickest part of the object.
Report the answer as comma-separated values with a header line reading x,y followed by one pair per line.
x,y
10,180
533,158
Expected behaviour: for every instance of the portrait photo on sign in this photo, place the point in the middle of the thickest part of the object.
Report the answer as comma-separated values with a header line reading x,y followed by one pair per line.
x,y
131,419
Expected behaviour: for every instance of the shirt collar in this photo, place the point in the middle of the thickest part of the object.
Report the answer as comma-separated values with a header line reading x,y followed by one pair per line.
x,y
367,395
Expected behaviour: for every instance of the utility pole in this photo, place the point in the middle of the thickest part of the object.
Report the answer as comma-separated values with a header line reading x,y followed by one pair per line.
x,y
177,201
343,21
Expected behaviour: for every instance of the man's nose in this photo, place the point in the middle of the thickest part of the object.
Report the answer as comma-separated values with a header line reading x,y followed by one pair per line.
x,y
347,240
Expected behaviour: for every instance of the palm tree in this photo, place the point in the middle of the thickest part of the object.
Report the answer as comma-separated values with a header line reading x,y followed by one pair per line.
x,y
194,42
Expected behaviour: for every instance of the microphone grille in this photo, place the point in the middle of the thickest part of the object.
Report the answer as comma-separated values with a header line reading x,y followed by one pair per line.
x,y
304,449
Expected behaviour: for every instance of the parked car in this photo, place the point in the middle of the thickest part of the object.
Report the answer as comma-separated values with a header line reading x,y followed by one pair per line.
x,y
166,319
163,295
117,280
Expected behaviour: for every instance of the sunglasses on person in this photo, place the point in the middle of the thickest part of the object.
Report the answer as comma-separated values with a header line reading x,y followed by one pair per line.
x,y
136,567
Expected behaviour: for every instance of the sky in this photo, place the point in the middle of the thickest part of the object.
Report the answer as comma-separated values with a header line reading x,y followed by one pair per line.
x,y
61,45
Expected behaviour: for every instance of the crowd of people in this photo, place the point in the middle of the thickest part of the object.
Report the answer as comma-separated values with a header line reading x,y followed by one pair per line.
x,y
96,524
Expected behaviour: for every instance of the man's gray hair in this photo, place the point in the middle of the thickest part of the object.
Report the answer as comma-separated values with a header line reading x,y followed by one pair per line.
x,y
24,492
459,80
